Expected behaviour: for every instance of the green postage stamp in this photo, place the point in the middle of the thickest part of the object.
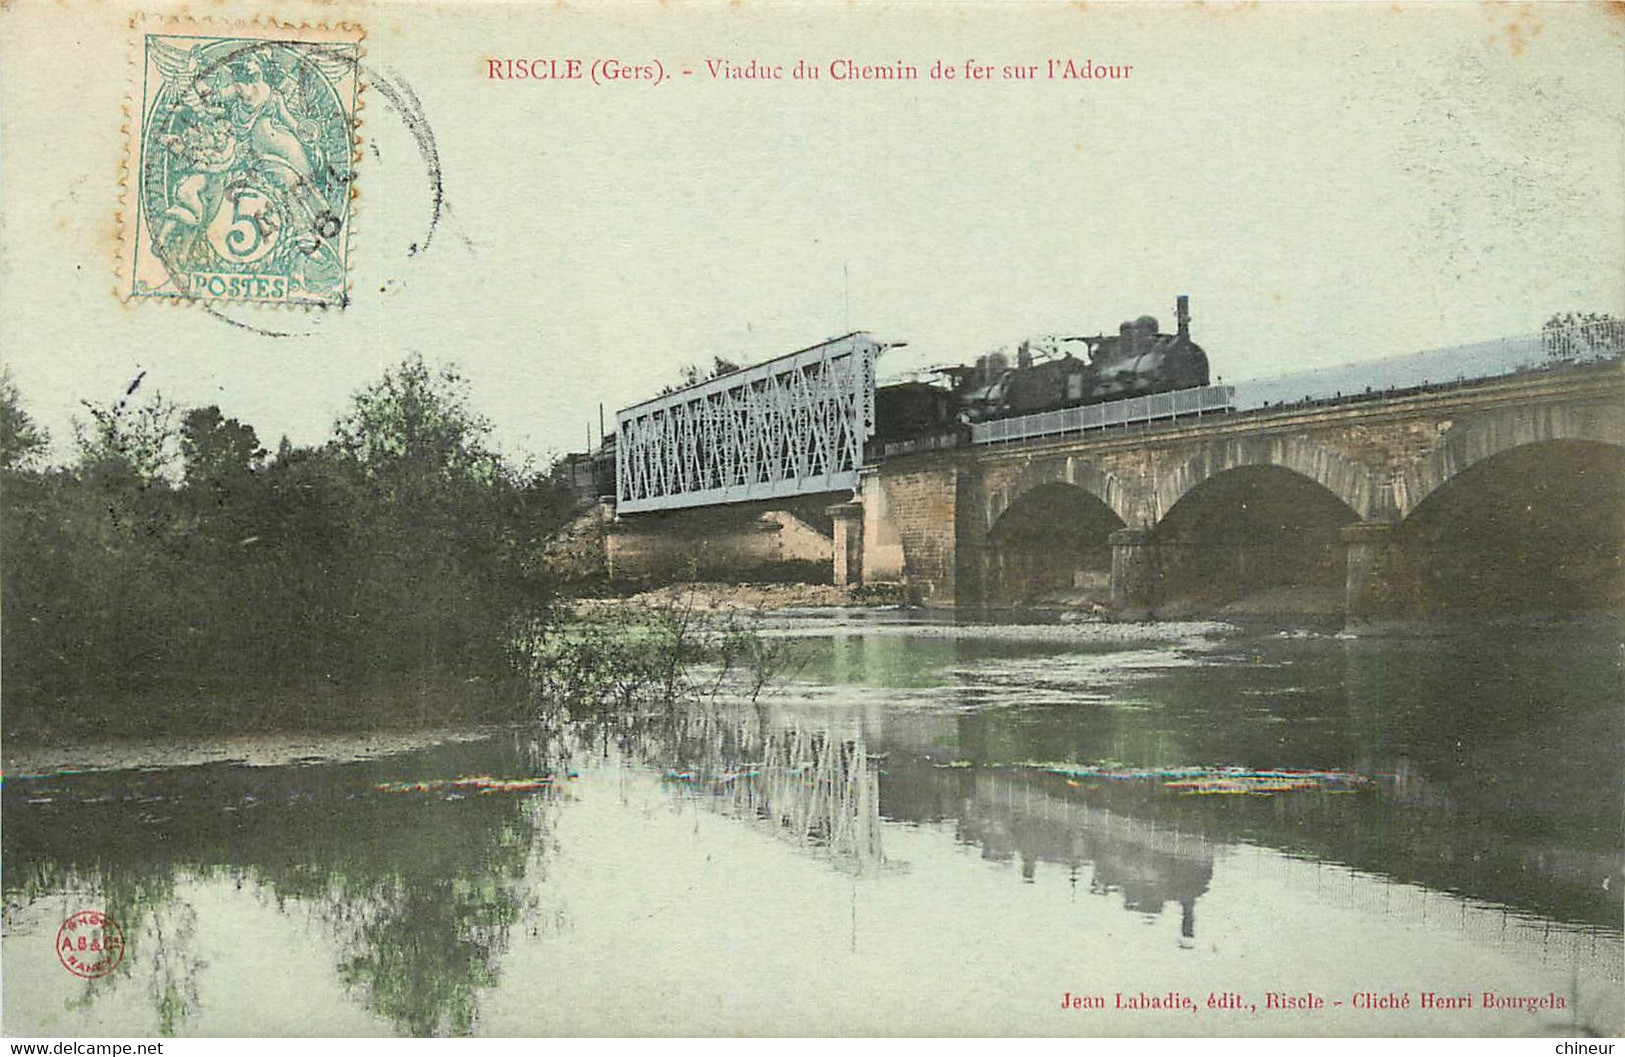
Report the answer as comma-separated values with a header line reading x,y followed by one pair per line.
x,y
240,175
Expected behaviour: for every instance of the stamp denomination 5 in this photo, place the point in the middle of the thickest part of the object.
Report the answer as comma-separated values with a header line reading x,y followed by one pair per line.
x,y
242,165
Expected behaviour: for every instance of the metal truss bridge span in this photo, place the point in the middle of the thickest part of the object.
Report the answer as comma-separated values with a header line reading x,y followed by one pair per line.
x,y
795,425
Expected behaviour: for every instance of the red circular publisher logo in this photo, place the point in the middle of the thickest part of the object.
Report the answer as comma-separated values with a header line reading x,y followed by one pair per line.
x,y
90,944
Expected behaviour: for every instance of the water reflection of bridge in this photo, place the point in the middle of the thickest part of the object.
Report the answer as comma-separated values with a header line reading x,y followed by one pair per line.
x,y
827,782
1030,816
1150,865
814,785
821,783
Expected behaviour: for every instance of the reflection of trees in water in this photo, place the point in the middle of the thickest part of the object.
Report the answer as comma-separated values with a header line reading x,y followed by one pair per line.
x,y
419,892
420,948
175,964
420,928
159,926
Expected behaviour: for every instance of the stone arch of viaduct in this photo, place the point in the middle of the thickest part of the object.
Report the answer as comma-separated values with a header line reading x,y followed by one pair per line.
x,y
1141,487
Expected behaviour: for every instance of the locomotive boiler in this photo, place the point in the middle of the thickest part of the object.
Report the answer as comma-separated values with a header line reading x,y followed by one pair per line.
x,y
1137,361
1046,375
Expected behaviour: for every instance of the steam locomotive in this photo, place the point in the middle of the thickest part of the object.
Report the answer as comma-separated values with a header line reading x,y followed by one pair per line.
x,y
1137,361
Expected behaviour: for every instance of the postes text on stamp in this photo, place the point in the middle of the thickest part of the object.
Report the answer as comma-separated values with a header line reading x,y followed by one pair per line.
x,y
241,165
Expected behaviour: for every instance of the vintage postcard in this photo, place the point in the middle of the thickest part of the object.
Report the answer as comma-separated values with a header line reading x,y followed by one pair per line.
x,y
867,519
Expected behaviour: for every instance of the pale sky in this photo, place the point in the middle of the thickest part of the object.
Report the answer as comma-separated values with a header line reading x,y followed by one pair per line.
x,y
1329,183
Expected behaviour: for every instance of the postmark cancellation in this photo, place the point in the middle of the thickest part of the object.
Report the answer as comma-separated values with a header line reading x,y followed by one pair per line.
x,y
240,171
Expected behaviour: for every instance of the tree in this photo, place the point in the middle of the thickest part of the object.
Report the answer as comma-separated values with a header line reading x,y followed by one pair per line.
x,y
1583,335
217,450
694,374
22,442
126,440
447,528
417,423
180,571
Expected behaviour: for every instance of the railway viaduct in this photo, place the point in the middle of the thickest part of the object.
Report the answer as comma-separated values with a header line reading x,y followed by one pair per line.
x,y
1505,493
1508,492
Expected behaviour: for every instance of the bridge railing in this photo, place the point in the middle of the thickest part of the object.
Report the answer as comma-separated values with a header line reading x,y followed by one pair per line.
x,y
1210,399
946,441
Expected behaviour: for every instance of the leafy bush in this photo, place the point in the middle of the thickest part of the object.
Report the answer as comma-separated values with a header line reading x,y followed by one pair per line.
x,y
626,656
177,565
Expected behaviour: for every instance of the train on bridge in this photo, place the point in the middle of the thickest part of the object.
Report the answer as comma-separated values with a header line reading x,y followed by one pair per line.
x,y
1138,374
1047,375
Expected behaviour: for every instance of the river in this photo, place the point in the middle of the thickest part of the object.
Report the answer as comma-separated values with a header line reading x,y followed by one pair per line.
x,y
916,827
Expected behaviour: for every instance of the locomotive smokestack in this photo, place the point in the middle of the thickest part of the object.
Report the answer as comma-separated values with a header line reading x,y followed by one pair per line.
x,y
1182,311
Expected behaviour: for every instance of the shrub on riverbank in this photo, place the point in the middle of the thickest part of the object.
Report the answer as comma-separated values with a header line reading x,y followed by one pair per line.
x,y
619,657
177,578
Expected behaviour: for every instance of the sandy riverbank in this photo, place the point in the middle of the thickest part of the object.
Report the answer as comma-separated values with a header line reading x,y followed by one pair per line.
x,y
724,598
249,750
1284,602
